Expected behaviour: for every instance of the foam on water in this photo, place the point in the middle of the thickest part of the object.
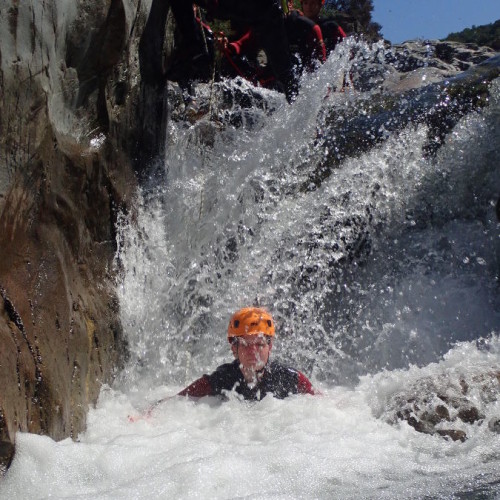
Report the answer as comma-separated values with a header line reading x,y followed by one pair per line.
x,y
329,446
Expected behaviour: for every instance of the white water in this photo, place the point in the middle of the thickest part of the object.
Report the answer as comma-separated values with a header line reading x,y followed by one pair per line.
x,y
226,231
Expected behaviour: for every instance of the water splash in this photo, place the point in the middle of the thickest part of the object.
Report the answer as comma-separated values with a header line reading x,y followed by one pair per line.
x,y
364,272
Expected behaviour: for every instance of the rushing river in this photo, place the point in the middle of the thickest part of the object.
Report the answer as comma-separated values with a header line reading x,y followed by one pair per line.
x,y
385,275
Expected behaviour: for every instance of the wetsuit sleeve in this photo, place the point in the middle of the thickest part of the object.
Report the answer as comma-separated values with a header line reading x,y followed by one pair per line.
x,y
198,388
304,385
319,49
306,39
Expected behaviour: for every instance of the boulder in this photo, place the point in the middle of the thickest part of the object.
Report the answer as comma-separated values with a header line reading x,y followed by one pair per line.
x,y
451,57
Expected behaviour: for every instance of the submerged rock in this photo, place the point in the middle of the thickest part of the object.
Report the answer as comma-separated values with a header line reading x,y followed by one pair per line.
x,y
351,132
442,405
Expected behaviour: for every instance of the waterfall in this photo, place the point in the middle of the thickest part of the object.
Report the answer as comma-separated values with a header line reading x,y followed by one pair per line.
x,y
393,250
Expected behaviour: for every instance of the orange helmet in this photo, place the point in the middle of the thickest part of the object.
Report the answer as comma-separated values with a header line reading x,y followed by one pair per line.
x,y
250,321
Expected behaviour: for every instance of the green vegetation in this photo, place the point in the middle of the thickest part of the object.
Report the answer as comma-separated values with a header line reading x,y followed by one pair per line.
x,y
487,35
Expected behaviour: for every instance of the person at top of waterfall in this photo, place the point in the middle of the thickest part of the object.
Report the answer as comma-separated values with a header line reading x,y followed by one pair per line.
x,y
331,31
266,19
305,42
250,333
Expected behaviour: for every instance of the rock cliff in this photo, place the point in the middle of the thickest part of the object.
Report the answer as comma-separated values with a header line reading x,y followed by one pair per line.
x,y
70,121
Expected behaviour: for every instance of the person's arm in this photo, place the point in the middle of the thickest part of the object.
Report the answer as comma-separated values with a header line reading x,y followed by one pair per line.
x,y
332,34
198,388
317,44
304,385
243,45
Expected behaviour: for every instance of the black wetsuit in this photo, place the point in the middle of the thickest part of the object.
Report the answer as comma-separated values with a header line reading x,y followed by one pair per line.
x,y
305,39
305,43
332,33
278,380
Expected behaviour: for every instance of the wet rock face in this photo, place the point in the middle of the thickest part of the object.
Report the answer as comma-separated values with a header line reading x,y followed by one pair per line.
x,y
68,104
60,333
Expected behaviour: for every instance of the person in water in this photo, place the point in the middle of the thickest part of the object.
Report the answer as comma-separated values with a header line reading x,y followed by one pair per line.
x,y
252,375
305,44
251,333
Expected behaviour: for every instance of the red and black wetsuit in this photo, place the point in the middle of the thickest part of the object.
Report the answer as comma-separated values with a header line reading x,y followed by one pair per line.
x,y
332,33
305,42
277,380
263,16
305,39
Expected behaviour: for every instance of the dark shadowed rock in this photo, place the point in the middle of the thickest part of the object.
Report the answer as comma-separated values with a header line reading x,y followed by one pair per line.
x,y
454,435
469,414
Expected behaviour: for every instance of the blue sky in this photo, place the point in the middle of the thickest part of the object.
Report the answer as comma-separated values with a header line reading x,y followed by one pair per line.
x,y
409,19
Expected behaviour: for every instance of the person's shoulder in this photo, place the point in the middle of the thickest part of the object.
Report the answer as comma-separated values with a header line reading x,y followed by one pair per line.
x,y
290,378
277,368
327,21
